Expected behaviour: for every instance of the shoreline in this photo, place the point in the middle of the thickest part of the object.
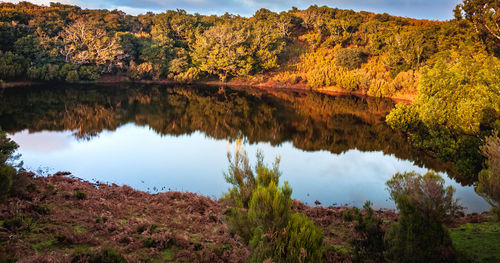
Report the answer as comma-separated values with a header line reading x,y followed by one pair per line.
x,y
269,86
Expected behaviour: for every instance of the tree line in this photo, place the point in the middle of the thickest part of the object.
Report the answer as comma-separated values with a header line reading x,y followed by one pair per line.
x,y
378,54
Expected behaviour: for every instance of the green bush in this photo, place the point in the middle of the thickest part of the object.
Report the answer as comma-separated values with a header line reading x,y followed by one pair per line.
x,y
72,76
299,241
260,213
301,235
350,58
403,117
89,73
80,195
419,235
270,206
189,76
10,66
369,241
7,172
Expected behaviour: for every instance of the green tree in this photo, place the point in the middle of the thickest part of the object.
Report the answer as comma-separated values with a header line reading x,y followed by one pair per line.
x,y
423,203
220,50
484,14
260,213
459,99
488,185
85,42
350,58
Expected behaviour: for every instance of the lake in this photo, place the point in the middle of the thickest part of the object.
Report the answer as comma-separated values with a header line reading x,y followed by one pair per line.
x,y
334,149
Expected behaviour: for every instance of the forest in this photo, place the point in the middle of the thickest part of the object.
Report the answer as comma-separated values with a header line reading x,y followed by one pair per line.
x,y
376,54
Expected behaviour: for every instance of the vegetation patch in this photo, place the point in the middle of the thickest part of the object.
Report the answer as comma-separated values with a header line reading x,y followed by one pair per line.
x,y
478,241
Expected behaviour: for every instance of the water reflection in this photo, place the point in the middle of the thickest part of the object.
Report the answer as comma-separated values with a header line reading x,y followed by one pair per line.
x,y
334,149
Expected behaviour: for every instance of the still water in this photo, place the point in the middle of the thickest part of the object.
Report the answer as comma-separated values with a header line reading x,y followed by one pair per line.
x,y
334,149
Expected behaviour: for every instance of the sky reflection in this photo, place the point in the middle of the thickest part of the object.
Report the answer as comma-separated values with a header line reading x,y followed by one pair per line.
x,y
137,156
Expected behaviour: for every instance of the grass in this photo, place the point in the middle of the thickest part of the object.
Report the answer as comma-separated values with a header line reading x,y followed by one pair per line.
x,y
481,242
43,245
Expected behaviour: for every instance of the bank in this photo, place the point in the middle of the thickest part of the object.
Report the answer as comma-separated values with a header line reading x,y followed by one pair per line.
x,y
63,219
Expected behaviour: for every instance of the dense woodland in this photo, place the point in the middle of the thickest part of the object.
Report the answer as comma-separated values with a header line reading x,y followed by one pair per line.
x,y
378,54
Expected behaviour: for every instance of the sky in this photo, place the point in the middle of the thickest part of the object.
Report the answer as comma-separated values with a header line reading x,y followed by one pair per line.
x,y
424,9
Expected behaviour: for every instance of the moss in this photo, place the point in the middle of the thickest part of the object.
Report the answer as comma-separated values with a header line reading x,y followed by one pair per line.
x,y
481,242
165,255
80,229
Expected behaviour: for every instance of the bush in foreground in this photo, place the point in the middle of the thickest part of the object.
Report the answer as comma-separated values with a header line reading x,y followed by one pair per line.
x,y
423,203
369,241
488,185
260,213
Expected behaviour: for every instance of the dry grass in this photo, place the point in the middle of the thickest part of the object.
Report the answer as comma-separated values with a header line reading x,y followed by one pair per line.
x,y
65,216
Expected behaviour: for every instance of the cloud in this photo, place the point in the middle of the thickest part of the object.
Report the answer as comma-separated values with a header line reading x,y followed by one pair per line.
x,y
428,9
44,141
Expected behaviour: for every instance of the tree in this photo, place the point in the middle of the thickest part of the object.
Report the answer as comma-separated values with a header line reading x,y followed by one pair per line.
x,y
220,50
350,58
423,203
85,42
267,38
7,149
485,15
458,101
488,185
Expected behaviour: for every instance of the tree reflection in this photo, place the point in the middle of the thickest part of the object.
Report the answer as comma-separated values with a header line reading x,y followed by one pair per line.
x,y
311,121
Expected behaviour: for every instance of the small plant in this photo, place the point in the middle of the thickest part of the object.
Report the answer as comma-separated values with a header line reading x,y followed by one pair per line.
x,y
105,255
80,195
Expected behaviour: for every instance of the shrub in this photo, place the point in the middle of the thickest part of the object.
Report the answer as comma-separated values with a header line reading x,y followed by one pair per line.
x,y
189,76
302,240
80,195
7,172
72,76
270,206
488,185
369,241
89,73
403,117
261,213
350,58
406,81
423,203
299,241
10,66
